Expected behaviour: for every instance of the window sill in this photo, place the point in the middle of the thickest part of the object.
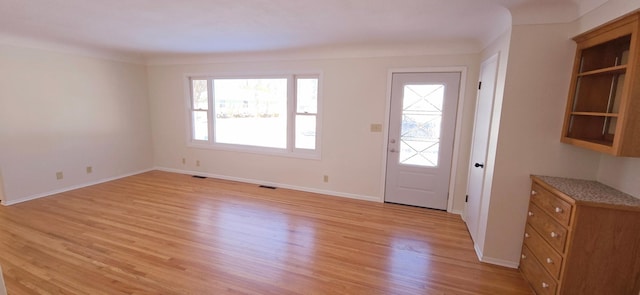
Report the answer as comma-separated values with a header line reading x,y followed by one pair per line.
x,y
302,154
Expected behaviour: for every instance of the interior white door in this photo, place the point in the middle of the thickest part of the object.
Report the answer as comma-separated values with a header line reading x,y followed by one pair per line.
x,y
421,132
484,109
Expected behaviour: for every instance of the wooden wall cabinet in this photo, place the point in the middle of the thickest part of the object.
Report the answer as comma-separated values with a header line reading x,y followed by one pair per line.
x,y
582,238
603,107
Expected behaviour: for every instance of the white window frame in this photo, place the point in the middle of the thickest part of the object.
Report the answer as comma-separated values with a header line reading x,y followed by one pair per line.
x,y
290,150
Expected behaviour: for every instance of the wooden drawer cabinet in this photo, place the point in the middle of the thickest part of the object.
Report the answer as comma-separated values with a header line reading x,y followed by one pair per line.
x,y
581,237
540,280
554,233
555,207
550,259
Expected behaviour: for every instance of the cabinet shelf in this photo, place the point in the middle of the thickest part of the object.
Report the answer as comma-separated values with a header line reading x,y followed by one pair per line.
x,y
616,70
603,106
613,115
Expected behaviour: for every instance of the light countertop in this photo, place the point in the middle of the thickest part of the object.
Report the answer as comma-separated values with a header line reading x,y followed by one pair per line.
x,y
590,191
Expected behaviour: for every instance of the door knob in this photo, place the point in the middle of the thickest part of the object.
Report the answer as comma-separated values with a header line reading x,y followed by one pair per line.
x,y
479,165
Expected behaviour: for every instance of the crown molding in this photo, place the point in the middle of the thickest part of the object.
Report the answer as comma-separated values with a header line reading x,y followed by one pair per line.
x,y
338,52
23,42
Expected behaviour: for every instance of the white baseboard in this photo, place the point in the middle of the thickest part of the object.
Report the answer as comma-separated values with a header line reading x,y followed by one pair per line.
x,y
501,262
459,212
496,261
246,180
478,251
70,188
281,185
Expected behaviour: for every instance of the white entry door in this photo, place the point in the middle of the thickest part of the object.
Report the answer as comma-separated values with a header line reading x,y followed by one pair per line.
x,y
421,132
484,109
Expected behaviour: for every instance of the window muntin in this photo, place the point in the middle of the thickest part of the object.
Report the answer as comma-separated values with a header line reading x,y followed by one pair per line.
x,y
258,114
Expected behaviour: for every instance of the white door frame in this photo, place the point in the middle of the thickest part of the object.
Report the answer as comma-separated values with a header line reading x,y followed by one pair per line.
x,y
458,129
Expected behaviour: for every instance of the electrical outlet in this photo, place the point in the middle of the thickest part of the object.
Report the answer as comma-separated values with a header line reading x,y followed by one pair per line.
x,y
89,169
326,178
59,175
198,163
184,161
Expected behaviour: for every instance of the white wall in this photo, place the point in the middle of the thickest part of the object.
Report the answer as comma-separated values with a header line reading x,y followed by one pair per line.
x,y
620,173
537,79
606,12
354,94
63,112
535,69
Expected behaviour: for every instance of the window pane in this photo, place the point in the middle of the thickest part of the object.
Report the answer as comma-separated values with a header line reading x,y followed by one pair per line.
x,y
200,96
200,127
251,112
421,124
307,94
306,132
422,153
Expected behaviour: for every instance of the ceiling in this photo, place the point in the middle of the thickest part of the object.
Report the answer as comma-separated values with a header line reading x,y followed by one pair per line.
x,y
157,27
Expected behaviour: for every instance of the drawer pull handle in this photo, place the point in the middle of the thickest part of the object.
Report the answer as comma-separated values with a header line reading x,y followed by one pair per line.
x,y
533,193
554,234
526,235
545,285
549,261
559,210
530,213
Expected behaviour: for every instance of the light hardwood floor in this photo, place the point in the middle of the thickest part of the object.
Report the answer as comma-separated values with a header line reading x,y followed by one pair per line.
x,y
165,233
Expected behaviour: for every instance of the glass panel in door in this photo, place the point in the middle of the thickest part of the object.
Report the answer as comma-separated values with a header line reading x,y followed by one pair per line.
x,y
421,124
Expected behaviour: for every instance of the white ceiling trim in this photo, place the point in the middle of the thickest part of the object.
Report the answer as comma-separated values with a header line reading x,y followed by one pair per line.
x,y
364,51
25,42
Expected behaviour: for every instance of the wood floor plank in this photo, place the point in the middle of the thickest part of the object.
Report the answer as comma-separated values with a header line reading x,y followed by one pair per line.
x,y
167,233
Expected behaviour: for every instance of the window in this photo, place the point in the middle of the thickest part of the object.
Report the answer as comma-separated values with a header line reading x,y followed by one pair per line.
x,y
260,114
200,105
306,112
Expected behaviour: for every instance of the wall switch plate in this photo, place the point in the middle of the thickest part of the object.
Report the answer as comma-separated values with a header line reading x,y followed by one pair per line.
x,y
376,127
59,175
89,169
